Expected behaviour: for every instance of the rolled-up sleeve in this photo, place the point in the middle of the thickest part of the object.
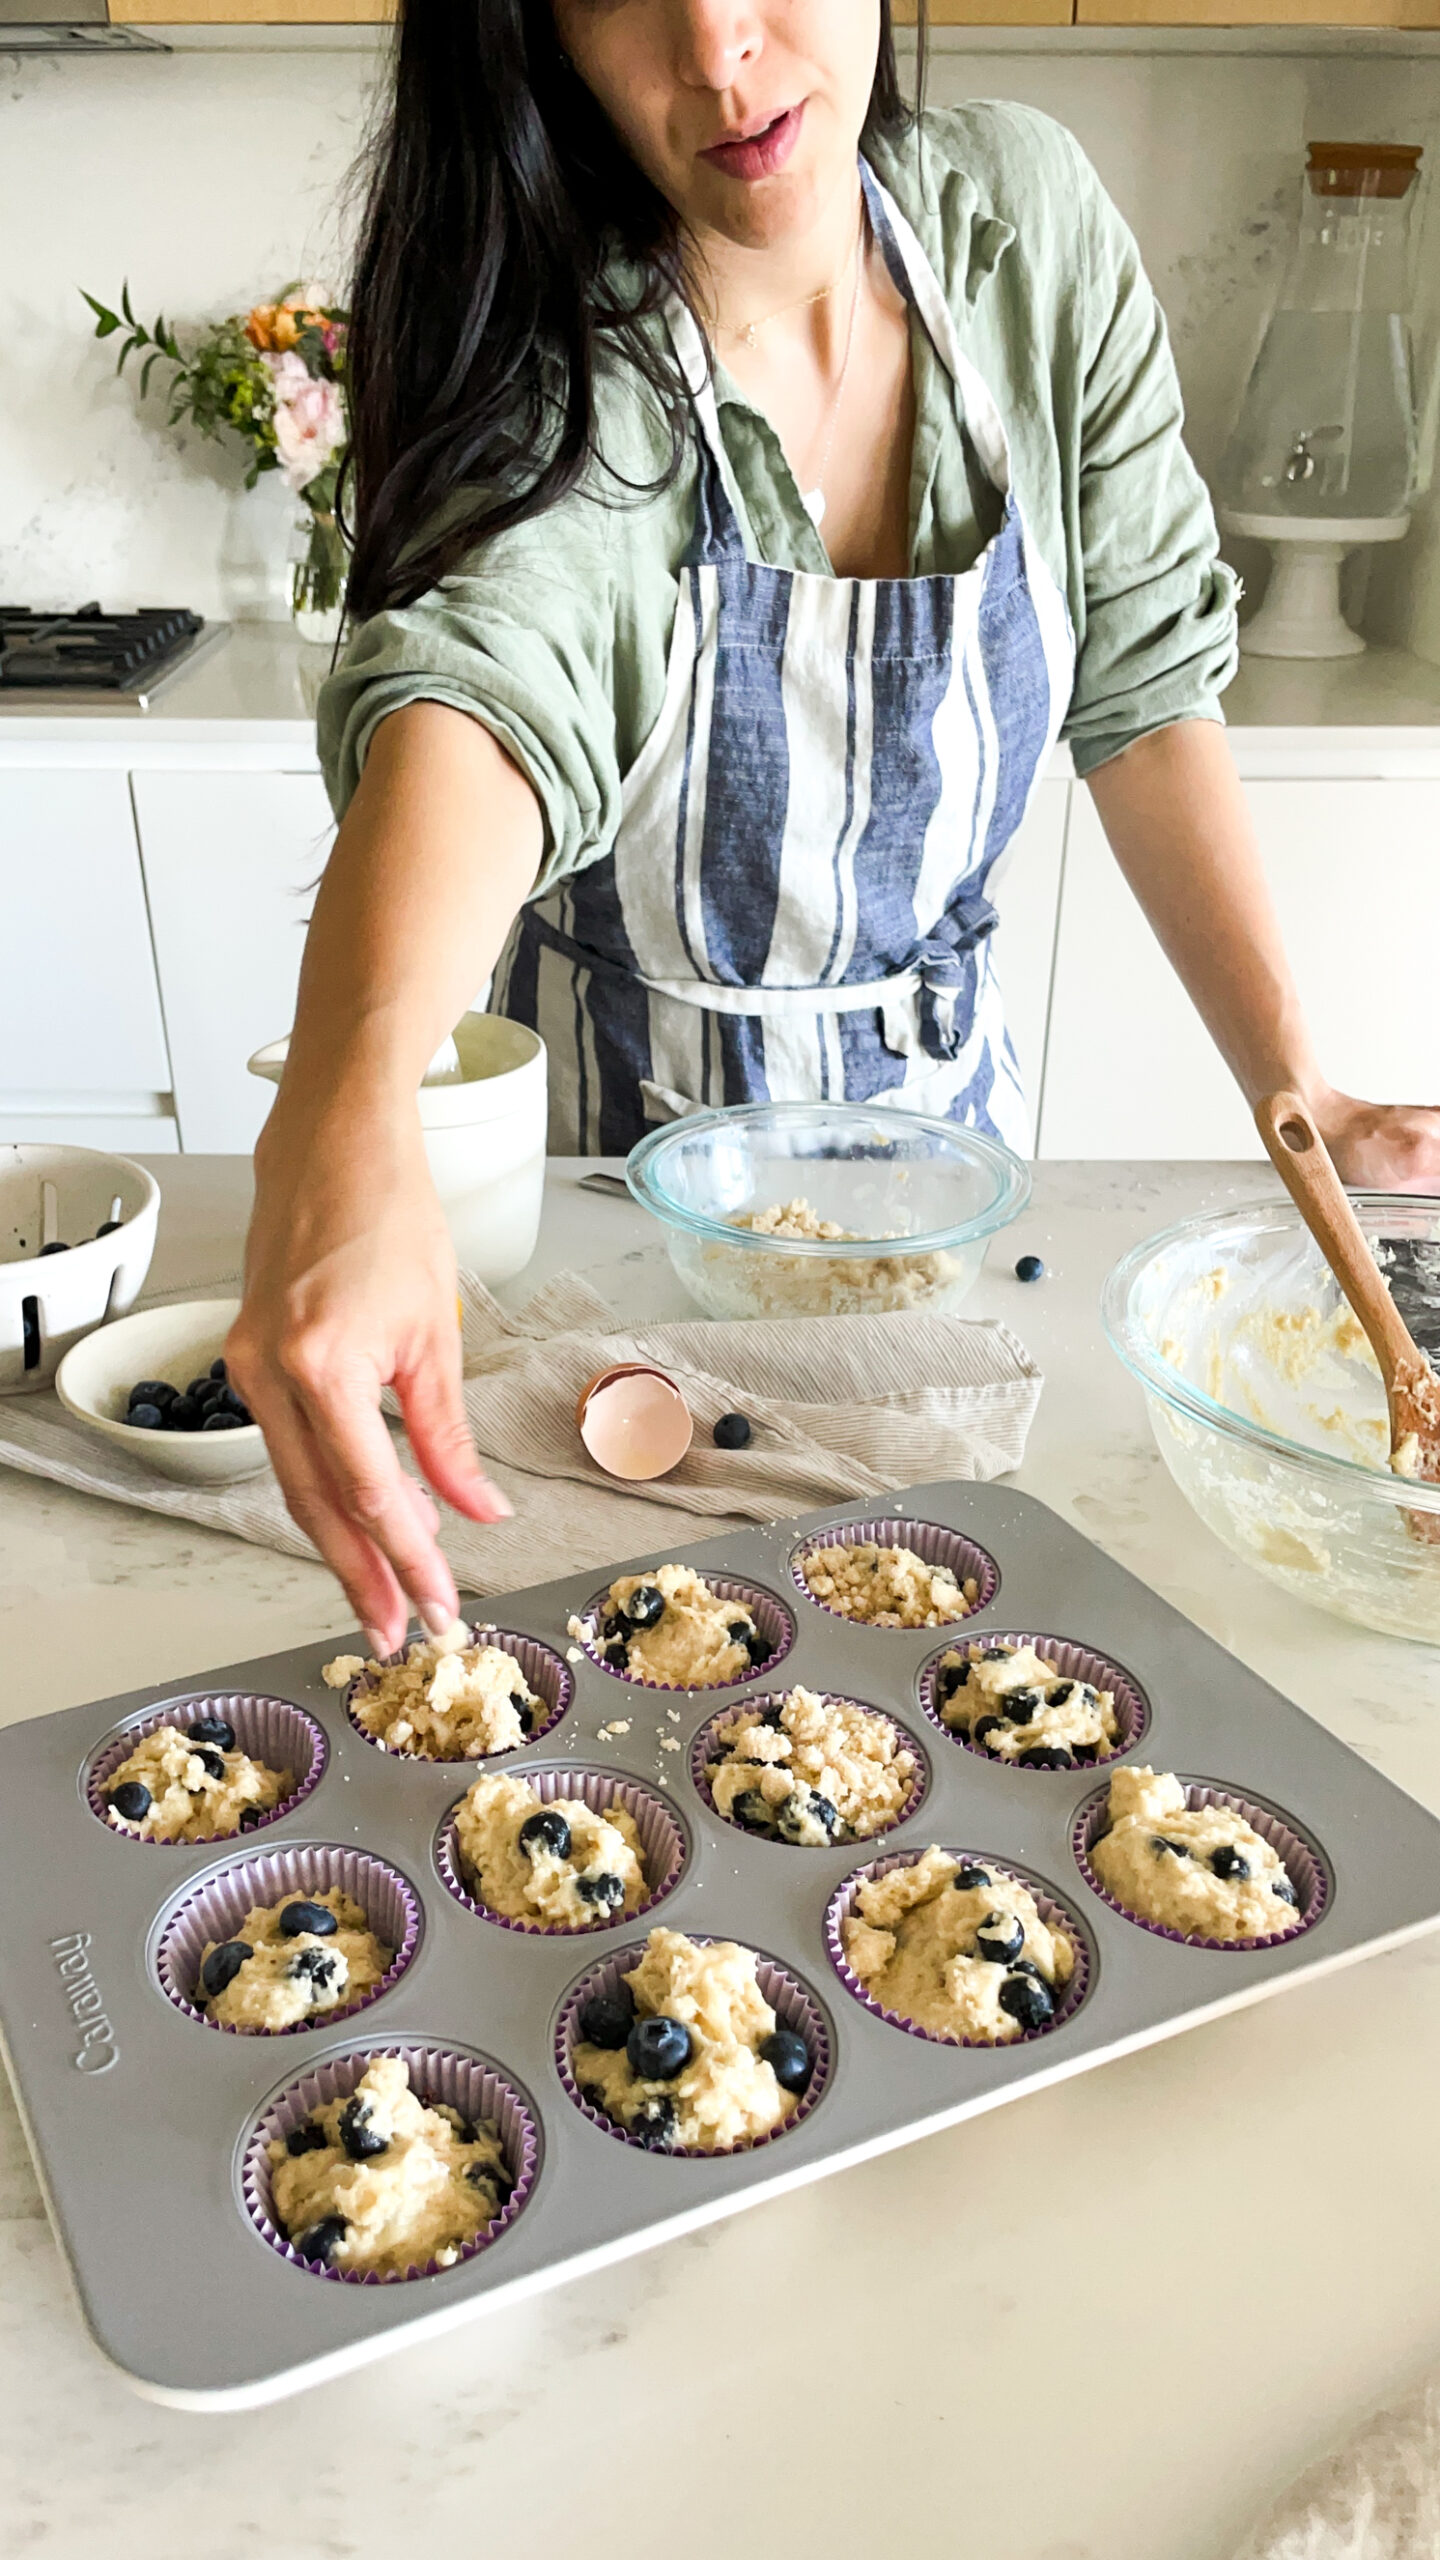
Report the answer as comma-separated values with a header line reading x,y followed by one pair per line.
x,y
1156,626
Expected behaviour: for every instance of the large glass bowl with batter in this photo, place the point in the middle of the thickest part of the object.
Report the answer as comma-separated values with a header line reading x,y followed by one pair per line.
x,y
1267,1405
911,1204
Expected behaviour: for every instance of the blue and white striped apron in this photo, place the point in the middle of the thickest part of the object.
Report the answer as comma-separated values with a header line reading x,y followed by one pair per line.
x,y
795,905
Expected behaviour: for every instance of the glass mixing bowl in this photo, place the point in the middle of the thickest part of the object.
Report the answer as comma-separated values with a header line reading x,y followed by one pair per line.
x,y
911,1204
1267,1406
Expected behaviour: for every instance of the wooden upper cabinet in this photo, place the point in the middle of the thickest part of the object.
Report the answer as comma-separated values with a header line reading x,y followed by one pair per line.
x,y
250,13
1257,13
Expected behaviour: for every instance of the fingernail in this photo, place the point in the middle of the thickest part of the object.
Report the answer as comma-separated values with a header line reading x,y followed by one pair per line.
x,y
376,1641
436,1618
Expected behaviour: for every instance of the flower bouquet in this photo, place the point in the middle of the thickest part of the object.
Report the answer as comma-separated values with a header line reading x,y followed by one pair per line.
x,y
276,378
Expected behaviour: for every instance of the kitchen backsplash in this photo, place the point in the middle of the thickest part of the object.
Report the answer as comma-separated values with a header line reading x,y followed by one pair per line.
x,y
207,177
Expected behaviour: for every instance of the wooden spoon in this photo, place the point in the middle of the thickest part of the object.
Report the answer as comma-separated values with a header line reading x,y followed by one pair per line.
x,y
1412,1389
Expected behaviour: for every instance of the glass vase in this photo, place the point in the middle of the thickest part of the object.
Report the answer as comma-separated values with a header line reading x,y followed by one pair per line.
x,y
317,576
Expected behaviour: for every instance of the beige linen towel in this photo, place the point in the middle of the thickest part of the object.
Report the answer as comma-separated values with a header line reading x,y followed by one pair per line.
x,y
1377,2498
843,1407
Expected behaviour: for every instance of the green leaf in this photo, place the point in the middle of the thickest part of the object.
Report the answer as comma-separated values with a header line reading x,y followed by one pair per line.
x,y
107,324
148,368
125,302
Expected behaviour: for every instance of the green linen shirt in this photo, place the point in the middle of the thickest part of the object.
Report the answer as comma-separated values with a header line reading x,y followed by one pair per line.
x,y
556,635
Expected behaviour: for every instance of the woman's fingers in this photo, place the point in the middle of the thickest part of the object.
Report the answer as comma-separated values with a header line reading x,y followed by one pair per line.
x,y
360,1460
431,1402
313,1503
1382,1146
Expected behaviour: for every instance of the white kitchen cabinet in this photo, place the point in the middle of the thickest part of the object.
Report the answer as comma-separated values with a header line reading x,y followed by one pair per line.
x,y
82,1040
1025,890
231,860
1354,865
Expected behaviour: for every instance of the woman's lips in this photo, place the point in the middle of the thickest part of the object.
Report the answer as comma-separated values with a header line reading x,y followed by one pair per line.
x,y
759,155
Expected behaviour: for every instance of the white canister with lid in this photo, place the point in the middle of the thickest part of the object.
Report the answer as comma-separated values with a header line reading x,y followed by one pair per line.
x,y
484,1138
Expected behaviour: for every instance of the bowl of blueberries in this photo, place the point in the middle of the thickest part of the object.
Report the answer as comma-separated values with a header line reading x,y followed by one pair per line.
x,y
155,1385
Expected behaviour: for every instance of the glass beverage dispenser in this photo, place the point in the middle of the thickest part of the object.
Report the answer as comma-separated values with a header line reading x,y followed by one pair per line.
x,y
1322,458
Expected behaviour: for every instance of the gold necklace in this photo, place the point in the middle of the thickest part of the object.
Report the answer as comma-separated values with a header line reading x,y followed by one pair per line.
x,y
748,331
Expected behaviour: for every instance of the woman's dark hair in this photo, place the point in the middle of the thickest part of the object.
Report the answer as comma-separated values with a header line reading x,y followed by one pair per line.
x,y
500,206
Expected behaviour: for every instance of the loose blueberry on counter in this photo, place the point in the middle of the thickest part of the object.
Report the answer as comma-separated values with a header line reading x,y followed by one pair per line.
x,y
969,1879
132,1801
1168,1848
546,1830
309,2136
606,1892
654,2125
1228,1864
658,2048
789,2058
319,2244
221,1966
607,2017
212,1729
733,1431
1027,2002
999,1937
1029,1267
358,2137
212,1762
308,1920
646,1605
1047,1755
145,1417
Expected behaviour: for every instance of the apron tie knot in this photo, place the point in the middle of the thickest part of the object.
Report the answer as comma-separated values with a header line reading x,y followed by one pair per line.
x,y
948,971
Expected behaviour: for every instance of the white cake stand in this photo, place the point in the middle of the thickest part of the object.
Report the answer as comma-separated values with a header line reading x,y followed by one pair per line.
x,y
1301,616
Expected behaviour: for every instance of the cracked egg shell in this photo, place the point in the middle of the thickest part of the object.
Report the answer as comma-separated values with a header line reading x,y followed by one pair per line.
x,y
635,1422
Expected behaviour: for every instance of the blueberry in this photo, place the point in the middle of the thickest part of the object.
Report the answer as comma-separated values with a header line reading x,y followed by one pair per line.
x,y
999,1937
184,1415
653,2125
751,1811
107,1227
131,1802
789,2058
219,1370
658,2048
995,1652
969,1879
1169,1848
774,1715
146,1417
212,1762
759,1647
308,1919
1227,1863
212,1729
481,2174
254,1815
525,1718
546,1830
802,1805
1022,1964
316,1965
358,2137
152,1391
606,1892
229,1402
221,1966
618,1656
1284,1891
215,1420
1061,1695
198,1388
319,2244
733,1431
607,2017
1027,2002
983,1727
1029,1267
1020,1705
309,2136
954,1676
57,1247
1047,1755
611,1626
646,1605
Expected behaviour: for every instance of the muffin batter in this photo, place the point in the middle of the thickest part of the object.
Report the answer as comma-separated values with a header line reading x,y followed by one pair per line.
x,y
289,1960
724,2089
887,1586
378,2183
449,1699
810,1770
1205,1874
189,1782
670,1628
850,1284
959,1949
559,1866
1008,1700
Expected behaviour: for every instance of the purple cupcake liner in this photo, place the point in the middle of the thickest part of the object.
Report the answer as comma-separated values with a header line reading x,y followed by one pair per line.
x,y
702,1750
663,1842
841,1907
214,1908
1073,1662
270,1730
794,2005
1304,1863
924,1538
770,1615
439,2076
550,1679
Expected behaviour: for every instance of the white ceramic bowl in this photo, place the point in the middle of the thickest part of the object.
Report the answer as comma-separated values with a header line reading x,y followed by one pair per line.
x,y
484,1139
48,1300
175,1343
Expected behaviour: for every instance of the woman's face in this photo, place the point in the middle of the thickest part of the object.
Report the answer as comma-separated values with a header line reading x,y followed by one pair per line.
x,y
746,114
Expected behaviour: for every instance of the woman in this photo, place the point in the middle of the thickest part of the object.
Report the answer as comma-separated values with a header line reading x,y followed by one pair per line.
x,y
750,485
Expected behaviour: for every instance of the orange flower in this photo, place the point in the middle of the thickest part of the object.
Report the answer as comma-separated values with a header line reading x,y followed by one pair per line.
x,y
260,327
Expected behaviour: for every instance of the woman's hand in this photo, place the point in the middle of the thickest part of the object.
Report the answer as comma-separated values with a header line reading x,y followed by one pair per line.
x,y
1380,1146
349,1288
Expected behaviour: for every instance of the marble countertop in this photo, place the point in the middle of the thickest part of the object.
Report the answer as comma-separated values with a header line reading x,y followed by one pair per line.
x,y
1104,2323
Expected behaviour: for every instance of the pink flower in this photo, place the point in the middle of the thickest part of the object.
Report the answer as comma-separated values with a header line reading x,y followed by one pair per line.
x,y
309,420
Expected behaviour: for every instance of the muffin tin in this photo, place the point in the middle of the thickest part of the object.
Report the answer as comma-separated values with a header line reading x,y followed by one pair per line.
x,y
147,2131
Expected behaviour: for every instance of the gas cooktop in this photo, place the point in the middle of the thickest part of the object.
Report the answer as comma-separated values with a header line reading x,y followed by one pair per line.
x,y
90,655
